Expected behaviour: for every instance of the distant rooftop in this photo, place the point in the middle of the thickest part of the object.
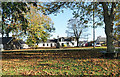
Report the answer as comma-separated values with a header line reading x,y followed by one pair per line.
x,y
55,40
101,39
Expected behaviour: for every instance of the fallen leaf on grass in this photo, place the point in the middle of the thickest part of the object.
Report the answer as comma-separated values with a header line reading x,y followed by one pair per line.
x,y
105,68
31,72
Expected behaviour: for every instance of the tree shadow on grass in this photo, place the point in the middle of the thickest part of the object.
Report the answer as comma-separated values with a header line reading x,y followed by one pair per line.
x,y
86,54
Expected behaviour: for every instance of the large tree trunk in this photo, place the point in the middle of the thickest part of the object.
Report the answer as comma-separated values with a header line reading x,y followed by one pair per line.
x,y
109,36
108,20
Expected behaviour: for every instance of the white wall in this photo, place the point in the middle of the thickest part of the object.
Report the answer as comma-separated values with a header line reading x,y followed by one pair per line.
x,y
75,43
45,44
25,46
70,44
53,44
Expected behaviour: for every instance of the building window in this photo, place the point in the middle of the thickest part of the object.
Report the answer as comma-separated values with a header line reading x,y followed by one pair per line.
x,y
43,44
67,43
51,44
62,44
47,44
59,40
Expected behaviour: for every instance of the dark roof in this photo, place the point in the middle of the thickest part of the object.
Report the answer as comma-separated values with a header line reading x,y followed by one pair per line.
x,y
5,40
101,39
49,41
67,38
55,40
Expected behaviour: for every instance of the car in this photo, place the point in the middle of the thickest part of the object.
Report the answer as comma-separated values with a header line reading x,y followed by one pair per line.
x,y
24,46
1,47
98,45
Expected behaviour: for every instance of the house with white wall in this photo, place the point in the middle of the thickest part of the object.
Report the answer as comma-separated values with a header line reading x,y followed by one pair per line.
x,y
48,43
68,41
63,41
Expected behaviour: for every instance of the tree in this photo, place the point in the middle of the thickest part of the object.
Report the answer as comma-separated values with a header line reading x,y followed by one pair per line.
x,y
117,24
117,27
39,26
107,13
12,12
23,20
109,22
76,28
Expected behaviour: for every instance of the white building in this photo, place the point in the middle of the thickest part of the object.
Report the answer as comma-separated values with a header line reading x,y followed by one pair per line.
x,y
69,42
63,41
48,43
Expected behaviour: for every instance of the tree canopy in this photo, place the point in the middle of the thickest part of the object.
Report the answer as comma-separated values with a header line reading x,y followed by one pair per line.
x,y
117,24
24,20
11,13
39,26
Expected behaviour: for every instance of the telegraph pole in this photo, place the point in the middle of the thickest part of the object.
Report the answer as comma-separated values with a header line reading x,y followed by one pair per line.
x,y
93,28
58,44
2,32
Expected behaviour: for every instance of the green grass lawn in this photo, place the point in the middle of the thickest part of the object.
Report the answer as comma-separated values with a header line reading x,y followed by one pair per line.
x,y
87,62
62,48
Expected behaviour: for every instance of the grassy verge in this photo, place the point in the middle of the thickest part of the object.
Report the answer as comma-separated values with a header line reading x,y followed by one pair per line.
x,y
55,49
87,62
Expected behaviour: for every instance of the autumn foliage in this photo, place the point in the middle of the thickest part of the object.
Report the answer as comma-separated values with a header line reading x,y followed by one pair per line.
x,y
85,62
